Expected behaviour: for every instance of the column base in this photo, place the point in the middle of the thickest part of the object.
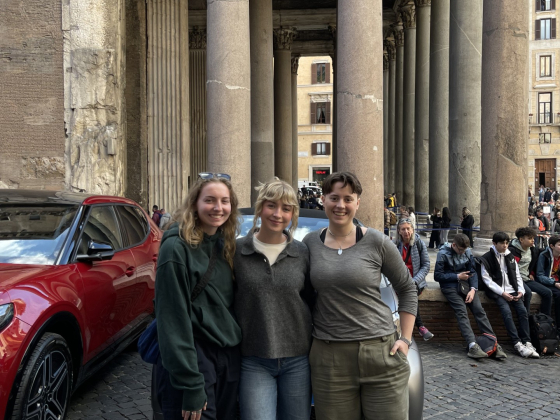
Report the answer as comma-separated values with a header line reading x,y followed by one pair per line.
x,y
481,246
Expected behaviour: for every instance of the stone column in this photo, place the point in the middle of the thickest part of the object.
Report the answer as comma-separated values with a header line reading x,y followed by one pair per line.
x,y
439,104
391,125
409,87
422,107
385,123
283,38
505,46
359,102
262,94
197,84
399,100
334,153
465,64
229,94
295,175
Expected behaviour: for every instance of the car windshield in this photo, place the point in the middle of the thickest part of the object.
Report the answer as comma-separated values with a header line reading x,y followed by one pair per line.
x,y
305,225
33,234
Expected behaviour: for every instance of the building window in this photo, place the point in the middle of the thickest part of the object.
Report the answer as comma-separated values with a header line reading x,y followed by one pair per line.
x,y
545,108
545,5
545,66
320,113
545,29
320,73
545,138
322,148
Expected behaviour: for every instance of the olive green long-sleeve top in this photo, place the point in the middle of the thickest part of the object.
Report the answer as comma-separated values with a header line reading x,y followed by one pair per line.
x,y
209,318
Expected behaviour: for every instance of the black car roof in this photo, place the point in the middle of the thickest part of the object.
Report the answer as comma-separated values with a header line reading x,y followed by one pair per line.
x,y
41,196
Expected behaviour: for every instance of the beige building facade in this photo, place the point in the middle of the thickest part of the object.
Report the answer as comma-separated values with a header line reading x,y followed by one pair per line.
x,y
544,96
315,118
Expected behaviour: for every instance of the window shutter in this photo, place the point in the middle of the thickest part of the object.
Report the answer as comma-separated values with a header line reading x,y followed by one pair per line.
x,y
553,28
328,73
537,29
313,113
328,149
313,74
553,5
328,113
313,149
538,7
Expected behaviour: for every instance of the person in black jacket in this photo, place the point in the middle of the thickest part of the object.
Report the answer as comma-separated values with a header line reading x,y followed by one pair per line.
x,y
436,219
547,195
526,256
467,223
543,218
501,276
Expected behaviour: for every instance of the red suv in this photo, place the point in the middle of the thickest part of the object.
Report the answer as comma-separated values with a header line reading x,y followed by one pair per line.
x,y
77,276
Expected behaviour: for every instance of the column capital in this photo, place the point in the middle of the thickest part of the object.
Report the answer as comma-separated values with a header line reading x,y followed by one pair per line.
x,y
422,3
197,39
398,34
391,50
385,61
283,38
332,30
295,63
408,14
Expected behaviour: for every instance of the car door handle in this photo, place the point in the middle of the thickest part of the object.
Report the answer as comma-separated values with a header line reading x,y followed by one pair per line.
x,y
129,271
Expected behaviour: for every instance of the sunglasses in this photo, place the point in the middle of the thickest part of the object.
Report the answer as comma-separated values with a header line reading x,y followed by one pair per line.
x,y
209,175
405,221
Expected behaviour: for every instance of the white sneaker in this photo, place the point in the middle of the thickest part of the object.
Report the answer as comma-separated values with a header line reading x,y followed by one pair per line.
x,y
522,350
529,346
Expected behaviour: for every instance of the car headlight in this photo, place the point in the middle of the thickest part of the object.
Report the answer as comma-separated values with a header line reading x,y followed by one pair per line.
x,y
6,315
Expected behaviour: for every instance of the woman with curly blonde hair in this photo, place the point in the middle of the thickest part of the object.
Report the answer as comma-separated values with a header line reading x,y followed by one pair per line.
x,y
198,367
272,304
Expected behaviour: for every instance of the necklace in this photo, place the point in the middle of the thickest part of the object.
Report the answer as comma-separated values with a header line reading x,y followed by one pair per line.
x,y
340,236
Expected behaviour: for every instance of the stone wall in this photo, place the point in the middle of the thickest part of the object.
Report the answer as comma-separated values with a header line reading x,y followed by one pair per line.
x,y
32,138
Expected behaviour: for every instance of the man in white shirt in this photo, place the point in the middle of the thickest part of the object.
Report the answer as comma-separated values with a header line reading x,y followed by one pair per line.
x,y
500,274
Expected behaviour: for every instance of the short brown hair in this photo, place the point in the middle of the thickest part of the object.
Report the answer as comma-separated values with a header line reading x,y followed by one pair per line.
x,y
347,178
553,240
525,231
462,240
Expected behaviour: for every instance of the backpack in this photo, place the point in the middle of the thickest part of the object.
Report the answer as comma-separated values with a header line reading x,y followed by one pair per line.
x,y
164,219
541,226
488,343
393,218
544,335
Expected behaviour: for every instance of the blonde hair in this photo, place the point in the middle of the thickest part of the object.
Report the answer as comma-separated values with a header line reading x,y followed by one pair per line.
x,y
273,191
190,228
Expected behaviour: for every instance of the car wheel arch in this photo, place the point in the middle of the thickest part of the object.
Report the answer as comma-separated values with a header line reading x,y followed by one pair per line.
x,y
65,325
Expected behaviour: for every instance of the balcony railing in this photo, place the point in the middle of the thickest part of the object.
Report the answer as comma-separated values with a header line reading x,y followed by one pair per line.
x,y
544,119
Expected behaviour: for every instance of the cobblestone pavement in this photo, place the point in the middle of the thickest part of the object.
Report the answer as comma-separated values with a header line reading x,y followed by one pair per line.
x,y
456,387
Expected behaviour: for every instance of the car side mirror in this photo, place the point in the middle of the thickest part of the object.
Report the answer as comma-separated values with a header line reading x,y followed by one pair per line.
x,y
97,251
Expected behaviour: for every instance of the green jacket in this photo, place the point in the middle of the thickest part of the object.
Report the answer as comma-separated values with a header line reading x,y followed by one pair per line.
x,y
209,318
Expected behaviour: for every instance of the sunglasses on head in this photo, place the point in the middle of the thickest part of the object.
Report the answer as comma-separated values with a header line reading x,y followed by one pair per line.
x,y
209,175
405,221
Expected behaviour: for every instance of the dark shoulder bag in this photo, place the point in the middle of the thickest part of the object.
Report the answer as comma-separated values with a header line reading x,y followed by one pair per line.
x,y
148,345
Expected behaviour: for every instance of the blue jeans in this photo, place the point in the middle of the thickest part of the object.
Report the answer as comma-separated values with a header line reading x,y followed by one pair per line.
x,y
272,389
521,335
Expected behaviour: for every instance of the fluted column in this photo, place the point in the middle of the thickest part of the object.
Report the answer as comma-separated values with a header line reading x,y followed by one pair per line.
x,y
409,86
359,102
385,122
422,107
399,101
439,104
229,93
504,117
465,66
262,94
283,38
334,153
391,124
295,175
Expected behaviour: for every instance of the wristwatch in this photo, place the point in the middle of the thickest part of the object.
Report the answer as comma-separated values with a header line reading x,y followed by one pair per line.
x,y
405,341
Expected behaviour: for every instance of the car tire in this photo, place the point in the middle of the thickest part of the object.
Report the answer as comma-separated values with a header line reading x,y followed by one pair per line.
x,y
46,383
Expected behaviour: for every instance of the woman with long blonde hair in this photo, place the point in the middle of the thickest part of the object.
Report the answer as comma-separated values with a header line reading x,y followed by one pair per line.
x,y
272,304
198,367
